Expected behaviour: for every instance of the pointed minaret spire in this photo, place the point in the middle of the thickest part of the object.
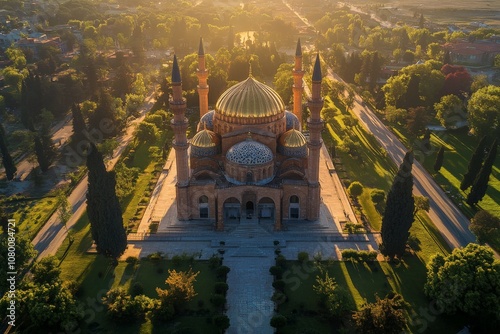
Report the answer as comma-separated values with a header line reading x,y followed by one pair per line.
x,y
201,51
202,74
180,143
315,125
298,51
317,69
298,88
176,73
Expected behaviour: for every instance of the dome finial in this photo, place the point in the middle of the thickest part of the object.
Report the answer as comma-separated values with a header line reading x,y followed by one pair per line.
x,y
249,135
250,69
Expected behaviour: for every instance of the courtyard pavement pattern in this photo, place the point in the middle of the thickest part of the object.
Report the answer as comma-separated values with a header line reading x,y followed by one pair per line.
x,y
248,246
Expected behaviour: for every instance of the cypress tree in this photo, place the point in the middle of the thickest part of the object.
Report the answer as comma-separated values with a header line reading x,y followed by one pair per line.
x,y
79,126
439,159
42,157
103,207
426,141
474,164
8,163
480,185
398,215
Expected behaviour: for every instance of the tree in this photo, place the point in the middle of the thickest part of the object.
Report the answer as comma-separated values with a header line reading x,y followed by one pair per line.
x,y
457,80
46,270
283,81
43,160
355,189
450,111
334,298
417,120
8,163
103,207
398,215
105,112
385,316
64,207
486,228
480,184
475,164
484,114
47,308
24,253
79,126
439,159
421,204
180,288
125,308
467,280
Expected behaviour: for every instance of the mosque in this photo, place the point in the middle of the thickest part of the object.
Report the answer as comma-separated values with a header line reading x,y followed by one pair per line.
x,y
249,160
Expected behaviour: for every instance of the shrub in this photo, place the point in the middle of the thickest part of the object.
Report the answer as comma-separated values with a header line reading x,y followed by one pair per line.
x,y
278,321
281,261
222,272
377,196
155,257
214,261
136,289
221,321
221,288
276,271
355,189
218,300
303,257
132,260
359,256
279,285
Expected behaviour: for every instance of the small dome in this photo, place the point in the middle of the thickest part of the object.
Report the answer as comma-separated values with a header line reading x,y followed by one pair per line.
x,y
250,99
207,120
293,138
205,143
249,152
291,120
205,138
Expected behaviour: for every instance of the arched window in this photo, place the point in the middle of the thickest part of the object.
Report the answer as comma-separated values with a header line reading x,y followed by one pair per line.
x,y
294,199
203,199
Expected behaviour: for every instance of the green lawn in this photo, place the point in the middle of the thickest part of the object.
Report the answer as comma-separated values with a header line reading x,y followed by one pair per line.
x,y
459,147
32,214
97,275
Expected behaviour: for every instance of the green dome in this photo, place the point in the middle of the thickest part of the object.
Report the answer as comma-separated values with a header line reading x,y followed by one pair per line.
x,y
250,99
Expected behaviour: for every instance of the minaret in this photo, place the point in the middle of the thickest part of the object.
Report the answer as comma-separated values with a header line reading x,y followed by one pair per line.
x,y
179,125
202,74
298,89
315,125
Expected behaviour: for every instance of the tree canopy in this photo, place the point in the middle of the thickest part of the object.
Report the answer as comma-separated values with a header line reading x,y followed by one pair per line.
x,y
467,280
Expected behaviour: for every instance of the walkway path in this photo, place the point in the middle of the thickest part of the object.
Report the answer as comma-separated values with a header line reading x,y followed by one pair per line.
x,y
52,235
248,245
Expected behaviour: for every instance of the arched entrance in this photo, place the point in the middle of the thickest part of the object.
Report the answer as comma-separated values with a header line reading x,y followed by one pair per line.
x,y
232,209
294,212
266,209
203,206
249,209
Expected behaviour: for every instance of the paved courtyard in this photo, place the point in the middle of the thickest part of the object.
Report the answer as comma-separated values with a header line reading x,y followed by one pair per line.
x,y
249,245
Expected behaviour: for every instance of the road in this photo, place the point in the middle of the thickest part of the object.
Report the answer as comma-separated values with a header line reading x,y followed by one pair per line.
x,y
53,233
61,132
450,221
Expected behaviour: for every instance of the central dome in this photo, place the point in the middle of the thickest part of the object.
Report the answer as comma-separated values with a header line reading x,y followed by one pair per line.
x,y
250,99
249,152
